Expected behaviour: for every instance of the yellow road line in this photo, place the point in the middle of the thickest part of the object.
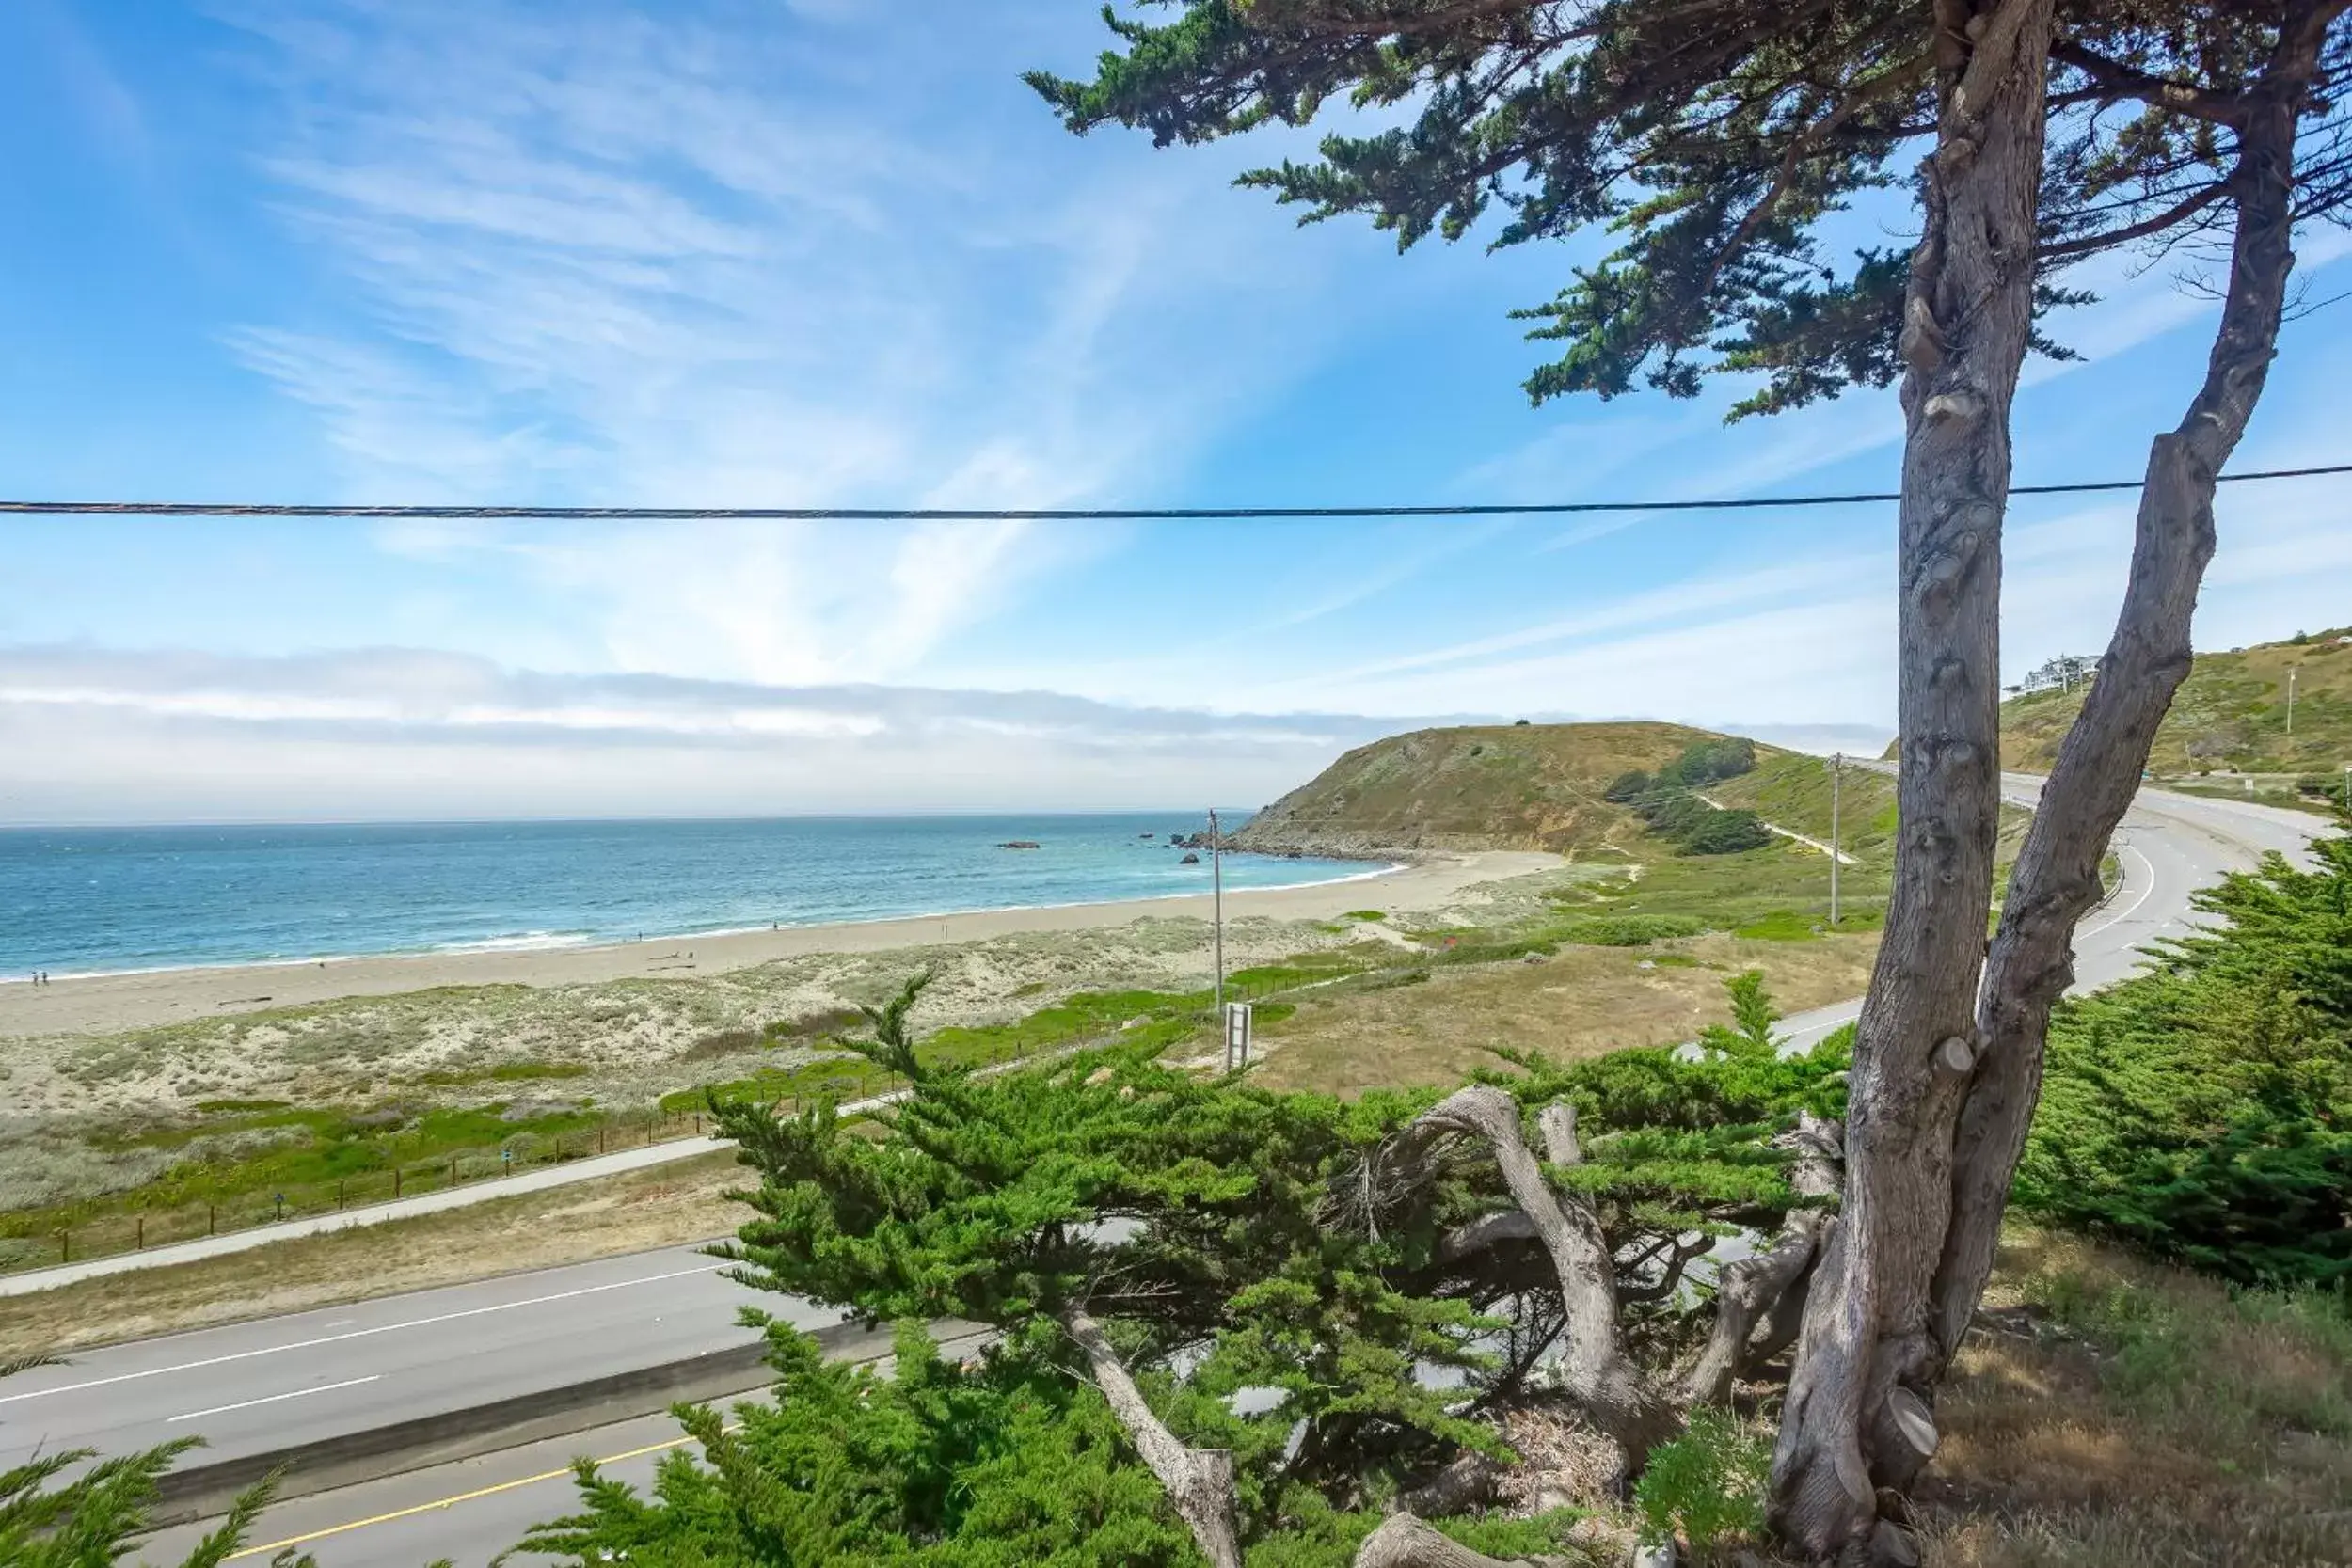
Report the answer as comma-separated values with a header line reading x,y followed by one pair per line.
x,y
277,1547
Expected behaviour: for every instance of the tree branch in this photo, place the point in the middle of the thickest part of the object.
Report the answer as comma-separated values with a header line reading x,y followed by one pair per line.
x,y
1403,1541
1595,1371
1200,1481
2117,83
2083,244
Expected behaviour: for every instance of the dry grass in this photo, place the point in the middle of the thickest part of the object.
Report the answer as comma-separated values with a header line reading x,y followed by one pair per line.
x,y
2117,1415
1585,1002
660,1206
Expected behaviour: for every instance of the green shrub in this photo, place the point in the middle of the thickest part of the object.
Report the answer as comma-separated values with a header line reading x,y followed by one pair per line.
x,y
1627,787
1709,1483
1727,832
2202,1112
1629,931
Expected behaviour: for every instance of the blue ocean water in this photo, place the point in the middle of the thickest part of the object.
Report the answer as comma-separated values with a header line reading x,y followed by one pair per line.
x,y
80,900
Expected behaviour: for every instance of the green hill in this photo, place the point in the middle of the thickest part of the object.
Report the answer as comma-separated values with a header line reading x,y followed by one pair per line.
x,y
1503,786
2230,716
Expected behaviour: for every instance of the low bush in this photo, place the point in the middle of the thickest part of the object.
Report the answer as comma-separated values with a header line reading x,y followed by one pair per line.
x,y
2202,1112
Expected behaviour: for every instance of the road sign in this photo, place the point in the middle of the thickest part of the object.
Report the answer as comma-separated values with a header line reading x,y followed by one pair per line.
x,y
1236,1035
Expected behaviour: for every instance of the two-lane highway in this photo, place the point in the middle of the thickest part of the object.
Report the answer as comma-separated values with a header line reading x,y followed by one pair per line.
x,y
2168,847
254,1388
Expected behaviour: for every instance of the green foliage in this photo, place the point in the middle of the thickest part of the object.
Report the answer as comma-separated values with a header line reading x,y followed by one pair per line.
x,y
2204,1110
1709,1483
996,1461
1715,148
1752,1020
1628,786
1274,1284
62,1510
1629,930
1727,832
1703,762
1365,914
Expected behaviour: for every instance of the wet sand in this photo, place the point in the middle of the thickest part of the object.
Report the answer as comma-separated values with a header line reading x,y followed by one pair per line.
x,y
106,1002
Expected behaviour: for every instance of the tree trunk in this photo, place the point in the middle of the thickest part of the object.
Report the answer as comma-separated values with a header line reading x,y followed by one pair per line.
x,y
2099,765
1749,1293
1405,1542
1200,1481
1595,1373
1967,323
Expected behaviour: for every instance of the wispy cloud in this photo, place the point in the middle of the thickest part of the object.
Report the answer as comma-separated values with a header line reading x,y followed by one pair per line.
x,y
630,256
397,732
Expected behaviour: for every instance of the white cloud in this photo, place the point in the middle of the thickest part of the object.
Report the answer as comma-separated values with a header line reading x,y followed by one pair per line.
x,y
410,733
633,257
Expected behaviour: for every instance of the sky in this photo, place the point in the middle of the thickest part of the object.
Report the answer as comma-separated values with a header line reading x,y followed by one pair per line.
x,y
816,252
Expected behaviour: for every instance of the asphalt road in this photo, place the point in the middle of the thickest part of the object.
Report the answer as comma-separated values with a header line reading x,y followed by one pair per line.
x,y
2168,845
266,1385
252,1388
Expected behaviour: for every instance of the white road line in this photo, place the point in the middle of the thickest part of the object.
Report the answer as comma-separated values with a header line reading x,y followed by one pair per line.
x,y
273,1399
2125,912
356,1333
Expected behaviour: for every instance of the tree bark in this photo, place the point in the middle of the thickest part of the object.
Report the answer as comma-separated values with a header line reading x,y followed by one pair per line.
x,y
2099,765
1750,1292
1200,1481
1405,1542
1596,1372
1968,315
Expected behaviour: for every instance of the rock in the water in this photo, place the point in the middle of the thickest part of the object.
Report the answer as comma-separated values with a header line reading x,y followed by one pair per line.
x,y
1190,860
1019,844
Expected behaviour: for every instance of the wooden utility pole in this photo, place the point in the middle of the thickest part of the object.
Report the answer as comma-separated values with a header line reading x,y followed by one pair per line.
x,y
1217,897
1836,777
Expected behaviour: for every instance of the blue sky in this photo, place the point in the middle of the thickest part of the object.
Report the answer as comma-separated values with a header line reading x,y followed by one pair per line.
x,y
833,252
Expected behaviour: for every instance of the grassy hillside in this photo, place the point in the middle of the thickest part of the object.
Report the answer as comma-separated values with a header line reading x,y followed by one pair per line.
x,y
1517,787
2230,716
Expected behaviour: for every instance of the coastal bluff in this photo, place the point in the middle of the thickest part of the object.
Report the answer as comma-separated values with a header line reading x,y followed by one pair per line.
x,y
1467,788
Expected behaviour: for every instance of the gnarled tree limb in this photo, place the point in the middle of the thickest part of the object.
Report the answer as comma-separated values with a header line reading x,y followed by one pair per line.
x,y
1595,1371
1200,1481
1749,1293
1403,1541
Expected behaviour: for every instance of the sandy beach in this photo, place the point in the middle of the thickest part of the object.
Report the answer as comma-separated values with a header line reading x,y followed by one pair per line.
x,y
109,1003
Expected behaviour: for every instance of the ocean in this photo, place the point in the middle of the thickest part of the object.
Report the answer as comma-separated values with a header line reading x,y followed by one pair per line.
x,y
83,900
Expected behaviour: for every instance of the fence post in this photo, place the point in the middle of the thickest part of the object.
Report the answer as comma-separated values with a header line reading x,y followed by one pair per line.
x,y
395,1180
212,1220
65,1246
600,1138
339,1194
452,1170
139,1244
698,1124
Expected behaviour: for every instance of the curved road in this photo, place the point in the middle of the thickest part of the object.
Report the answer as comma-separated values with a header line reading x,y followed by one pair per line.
x,y
256,1386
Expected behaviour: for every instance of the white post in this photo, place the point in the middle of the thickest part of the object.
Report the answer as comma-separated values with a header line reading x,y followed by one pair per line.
x,y
1216,884
1836,776
2291,701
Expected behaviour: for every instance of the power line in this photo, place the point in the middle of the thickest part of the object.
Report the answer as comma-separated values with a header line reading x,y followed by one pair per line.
x,y
1050,515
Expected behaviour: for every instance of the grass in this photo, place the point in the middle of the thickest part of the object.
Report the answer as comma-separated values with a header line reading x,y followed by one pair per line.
x,y
1431,1025
660,1206
1529,786
2229,715
2113,1414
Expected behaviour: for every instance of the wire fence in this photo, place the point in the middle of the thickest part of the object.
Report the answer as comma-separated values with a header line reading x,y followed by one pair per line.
x,y
111,1234
107,1235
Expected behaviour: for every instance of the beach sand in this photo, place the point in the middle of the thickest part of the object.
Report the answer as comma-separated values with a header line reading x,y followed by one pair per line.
x,y
105,1004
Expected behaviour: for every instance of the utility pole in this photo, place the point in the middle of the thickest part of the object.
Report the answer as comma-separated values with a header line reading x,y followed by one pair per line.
x,y
1216,885
1836,777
